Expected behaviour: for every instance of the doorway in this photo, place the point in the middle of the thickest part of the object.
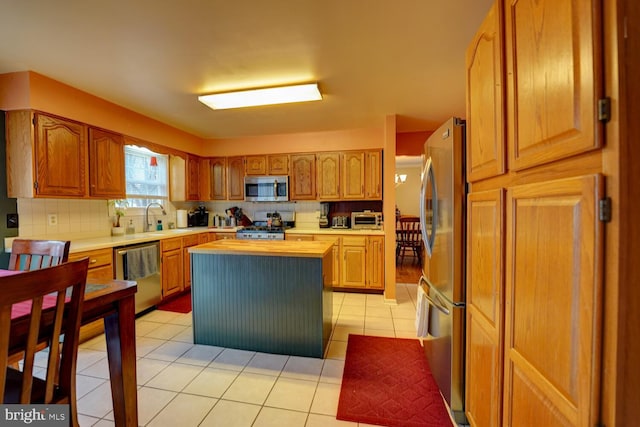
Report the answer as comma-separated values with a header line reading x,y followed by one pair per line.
x,y
407,188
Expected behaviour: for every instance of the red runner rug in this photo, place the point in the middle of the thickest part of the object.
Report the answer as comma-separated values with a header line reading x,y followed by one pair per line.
x,y
181,304
387,381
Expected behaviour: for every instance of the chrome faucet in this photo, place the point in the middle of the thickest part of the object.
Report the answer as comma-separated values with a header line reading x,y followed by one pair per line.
x,y
146,215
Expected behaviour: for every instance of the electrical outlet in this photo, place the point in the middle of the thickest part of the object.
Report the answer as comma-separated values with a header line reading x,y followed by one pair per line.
x,y
53,219
12,220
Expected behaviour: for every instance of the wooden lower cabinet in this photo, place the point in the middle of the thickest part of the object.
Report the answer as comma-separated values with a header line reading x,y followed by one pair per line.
x,y
335,280
172,260
485,308
353,262
358,261
553,314
375,262
187,242
100,270
100,264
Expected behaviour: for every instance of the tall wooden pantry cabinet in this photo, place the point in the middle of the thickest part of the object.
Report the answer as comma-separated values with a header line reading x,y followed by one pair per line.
x,y
535,236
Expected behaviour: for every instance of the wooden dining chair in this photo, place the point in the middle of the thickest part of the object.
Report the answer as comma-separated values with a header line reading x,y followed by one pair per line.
x,y
35,254
51,311
408,238
28,255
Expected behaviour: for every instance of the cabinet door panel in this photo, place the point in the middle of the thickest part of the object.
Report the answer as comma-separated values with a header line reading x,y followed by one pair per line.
x,y
485,99
172,276
235,178
554,66
278,164
193,178
485,295
553,295
218,168
204,180
354,262
106,164
256,165
303,177
61,157
353,176
328,176
373,179
375,262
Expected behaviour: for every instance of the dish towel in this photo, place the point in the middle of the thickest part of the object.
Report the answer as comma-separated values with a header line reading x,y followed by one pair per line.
x,y
422,313
142,262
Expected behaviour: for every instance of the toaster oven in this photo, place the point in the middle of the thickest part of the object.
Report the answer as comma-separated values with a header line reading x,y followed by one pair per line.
x,y
366,220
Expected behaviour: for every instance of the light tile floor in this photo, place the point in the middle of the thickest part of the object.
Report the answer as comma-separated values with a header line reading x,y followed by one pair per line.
x,y
183,384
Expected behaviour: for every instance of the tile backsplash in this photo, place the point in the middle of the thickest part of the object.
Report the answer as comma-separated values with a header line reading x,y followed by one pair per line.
x,y
78,219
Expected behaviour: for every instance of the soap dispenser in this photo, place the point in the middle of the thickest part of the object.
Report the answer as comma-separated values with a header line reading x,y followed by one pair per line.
x,y
131,229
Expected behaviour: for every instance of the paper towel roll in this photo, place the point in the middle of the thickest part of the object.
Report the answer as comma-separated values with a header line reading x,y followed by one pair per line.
x,y
181,218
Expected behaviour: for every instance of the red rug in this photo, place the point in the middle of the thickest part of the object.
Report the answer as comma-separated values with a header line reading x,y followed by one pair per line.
x,y
387,381
181,304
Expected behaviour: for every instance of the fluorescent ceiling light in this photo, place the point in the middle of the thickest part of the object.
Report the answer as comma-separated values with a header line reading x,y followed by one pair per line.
x,y
268,96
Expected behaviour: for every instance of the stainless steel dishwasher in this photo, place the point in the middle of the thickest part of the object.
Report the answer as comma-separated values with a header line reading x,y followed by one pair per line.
x,y
140,262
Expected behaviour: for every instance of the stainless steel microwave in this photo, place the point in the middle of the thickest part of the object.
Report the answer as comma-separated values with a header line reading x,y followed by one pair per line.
x,y
366,220
266,188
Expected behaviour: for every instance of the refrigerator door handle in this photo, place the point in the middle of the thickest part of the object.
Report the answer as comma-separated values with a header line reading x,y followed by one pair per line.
x,y
437,304
428,176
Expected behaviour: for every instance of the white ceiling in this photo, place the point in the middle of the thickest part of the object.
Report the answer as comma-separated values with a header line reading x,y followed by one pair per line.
x,y
372,58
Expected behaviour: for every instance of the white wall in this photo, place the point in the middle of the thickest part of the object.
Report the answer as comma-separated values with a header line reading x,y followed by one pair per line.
x,y
408,194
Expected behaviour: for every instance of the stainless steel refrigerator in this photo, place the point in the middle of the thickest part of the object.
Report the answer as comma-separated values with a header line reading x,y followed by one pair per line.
x,y
442,218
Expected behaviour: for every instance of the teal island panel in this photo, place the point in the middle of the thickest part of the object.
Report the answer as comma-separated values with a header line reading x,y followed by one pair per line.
x,y
271,304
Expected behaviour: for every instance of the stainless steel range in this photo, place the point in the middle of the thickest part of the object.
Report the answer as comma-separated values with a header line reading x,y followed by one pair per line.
x,y
254,232
267,226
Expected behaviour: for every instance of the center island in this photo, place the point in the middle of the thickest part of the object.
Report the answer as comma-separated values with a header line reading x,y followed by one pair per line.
x,y
266,296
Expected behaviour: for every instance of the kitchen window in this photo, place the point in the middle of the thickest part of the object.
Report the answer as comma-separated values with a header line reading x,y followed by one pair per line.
x,y
146,175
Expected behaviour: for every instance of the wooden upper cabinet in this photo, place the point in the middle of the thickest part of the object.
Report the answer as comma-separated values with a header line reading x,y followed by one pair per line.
x,y
373,175
61,157
46,156
485,99
302,185
553,316
106,164
193,178
485,307
554,68
235,178
218,178
278,164
328,176
204,179
177,178
353,176
256,165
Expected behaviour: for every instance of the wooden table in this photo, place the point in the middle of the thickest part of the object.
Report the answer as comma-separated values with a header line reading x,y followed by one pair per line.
x,y
113,302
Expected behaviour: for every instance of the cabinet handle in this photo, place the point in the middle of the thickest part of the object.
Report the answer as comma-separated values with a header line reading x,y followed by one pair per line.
x,y
93,261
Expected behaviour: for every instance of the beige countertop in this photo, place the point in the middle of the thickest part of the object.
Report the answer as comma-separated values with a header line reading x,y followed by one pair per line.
x,y
282,248
342,231
88,244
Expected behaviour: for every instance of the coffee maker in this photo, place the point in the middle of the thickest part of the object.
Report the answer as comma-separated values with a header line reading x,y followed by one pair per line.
x,y
323,222
199,217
